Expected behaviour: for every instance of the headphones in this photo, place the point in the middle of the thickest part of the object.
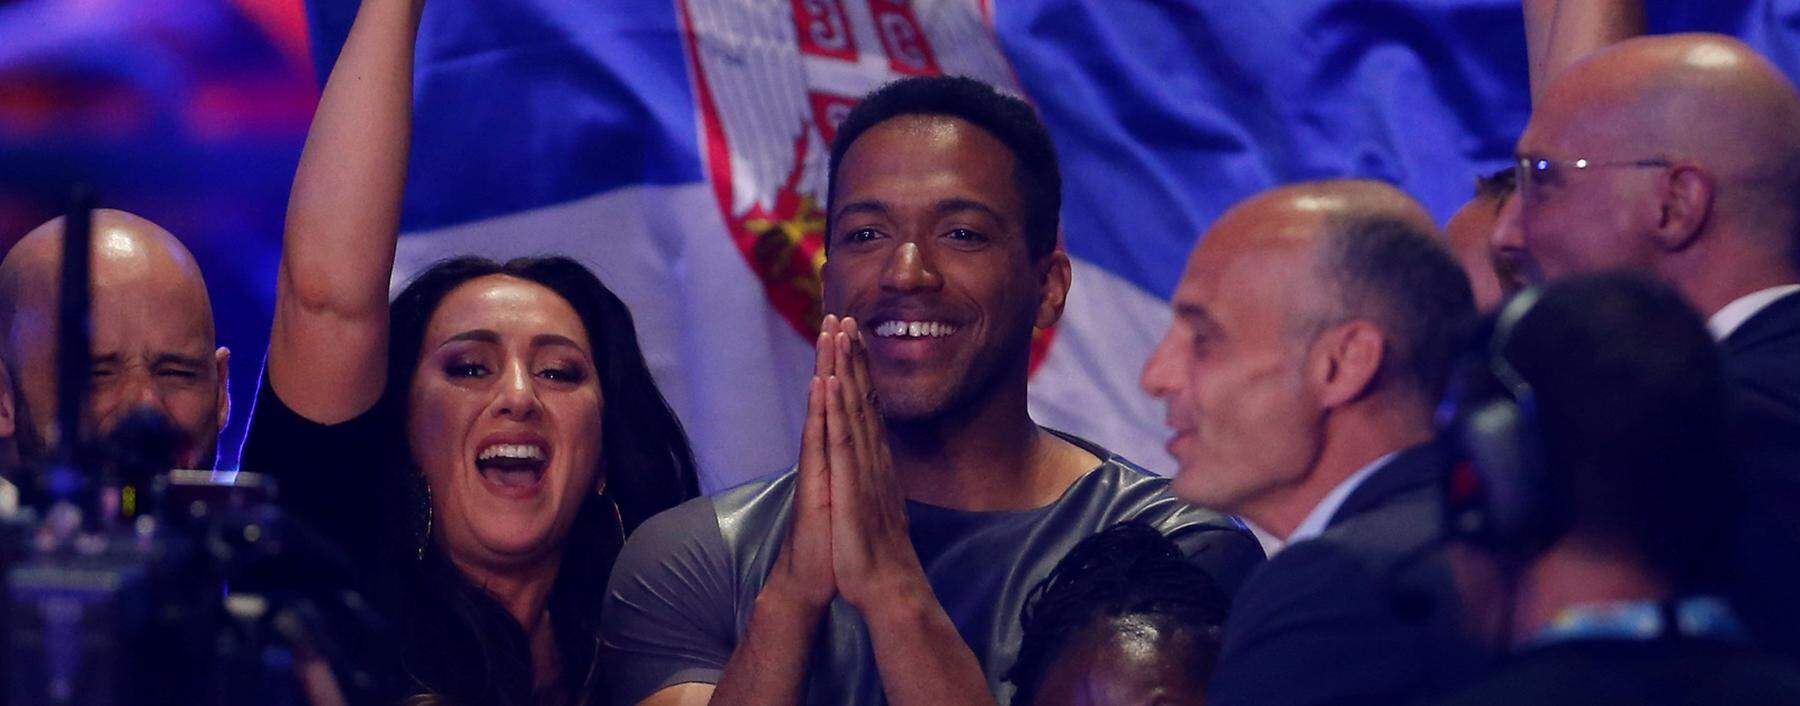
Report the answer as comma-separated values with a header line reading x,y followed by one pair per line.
x,y
1500,495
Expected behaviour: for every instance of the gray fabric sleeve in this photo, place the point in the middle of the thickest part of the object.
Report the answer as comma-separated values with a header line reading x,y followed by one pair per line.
x,y
670,616
1226,552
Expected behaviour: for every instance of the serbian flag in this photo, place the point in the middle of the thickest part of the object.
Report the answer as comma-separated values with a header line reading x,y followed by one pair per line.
x,y
679,147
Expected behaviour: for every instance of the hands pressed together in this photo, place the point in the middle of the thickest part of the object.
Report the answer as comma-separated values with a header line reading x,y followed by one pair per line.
x,y
848,535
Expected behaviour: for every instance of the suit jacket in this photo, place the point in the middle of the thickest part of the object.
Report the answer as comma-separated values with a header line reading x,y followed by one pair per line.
x,y
1762,360
1364,613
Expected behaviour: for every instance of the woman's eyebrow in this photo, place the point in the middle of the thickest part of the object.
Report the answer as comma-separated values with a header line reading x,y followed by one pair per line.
x,y
555,339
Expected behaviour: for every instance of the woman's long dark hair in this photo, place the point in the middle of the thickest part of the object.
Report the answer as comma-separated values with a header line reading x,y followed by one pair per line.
x,y
458,642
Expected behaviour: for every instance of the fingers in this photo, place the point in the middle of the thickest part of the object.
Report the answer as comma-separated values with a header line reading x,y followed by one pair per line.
x,y
873,424
814,483
841,454
825,347
848,391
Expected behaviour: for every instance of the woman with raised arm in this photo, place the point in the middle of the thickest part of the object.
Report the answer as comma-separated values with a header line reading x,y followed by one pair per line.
x,y
481,445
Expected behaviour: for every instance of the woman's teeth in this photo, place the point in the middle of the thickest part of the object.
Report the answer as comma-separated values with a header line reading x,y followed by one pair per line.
x,y
914,329
511,465
512,451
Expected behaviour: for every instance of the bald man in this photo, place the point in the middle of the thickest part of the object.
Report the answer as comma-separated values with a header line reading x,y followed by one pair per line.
x,y
1313,331
152,337
1679,155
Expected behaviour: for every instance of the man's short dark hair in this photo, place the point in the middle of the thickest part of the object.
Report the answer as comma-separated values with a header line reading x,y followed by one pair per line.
x,y
1497,186
1128,570
1631,403
1391,271
1010,120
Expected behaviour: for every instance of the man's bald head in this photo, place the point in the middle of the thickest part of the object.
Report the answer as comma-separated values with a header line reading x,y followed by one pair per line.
x,y
1369,251
1693,142
153,338
1302,307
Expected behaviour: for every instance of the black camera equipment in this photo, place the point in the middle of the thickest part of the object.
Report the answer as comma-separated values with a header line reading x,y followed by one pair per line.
x,y
129,583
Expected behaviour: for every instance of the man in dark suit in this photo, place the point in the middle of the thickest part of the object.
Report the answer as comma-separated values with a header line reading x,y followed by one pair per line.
x,y
1313,333
1680,156
1609,573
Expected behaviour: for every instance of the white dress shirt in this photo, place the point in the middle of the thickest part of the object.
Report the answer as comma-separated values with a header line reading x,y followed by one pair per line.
x,y
1733,315
1315,522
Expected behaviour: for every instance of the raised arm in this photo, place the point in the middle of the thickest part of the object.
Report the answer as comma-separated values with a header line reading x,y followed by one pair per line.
x,y
769,665
328,349
1561,32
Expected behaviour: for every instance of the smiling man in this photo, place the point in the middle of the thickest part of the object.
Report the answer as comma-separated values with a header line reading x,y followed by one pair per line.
x,y
890,566
1615,174
1312,338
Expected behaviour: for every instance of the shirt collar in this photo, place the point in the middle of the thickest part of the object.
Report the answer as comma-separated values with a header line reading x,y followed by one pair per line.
x,y
1733,315
1270,543
1320,517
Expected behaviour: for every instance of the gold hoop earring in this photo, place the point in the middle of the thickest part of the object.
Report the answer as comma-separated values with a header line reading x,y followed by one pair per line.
x,y
425,535
618,517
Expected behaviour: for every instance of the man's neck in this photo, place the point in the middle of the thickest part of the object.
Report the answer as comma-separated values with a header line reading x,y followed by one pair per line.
x,y
1353,440
1712,279
1569,575
988,456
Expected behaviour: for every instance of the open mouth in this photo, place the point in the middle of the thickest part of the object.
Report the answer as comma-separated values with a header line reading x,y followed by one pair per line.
x,y
513,466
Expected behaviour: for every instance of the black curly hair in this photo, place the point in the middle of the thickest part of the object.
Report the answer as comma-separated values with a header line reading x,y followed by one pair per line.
x,y
1131,569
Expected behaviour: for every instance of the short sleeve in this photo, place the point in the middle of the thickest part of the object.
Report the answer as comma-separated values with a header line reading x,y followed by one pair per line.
x,y
670,616
331,476
1228,553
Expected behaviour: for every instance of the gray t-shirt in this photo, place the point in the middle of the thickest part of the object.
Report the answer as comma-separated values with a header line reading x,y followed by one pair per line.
x,y
683,587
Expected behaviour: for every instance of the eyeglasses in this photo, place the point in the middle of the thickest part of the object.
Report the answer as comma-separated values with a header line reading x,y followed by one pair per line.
x,y
1533,173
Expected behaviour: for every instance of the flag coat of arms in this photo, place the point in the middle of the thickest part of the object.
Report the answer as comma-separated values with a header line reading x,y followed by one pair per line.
x,y
678,147
721,268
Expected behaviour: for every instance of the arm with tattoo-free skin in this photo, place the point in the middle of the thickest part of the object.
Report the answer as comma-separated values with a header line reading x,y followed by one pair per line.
x,y
1559,33
848,536
769,665
921,657
328,349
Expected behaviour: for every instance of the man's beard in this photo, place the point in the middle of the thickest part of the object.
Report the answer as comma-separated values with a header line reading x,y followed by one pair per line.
x,y
985,376
36,452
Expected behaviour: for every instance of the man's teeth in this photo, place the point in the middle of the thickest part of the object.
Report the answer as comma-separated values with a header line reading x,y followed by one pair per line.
x,y
518,451
914,329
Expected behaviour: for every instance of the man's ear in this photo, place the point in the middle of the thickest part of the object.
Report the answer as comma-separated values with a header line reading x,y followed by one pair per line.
x,y
222,363
1055,276
9,422
1687,200
1344,361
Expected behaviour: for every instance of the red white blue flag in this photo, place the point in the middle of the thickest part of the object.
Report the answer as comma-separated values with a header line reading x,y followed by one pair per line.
x,y
678,147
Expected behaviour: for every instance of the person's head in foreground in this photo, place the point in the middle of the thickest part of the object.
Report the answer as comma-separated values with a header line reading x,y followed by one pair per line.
x,y
151,333
1123,619
942,232
1625,399
535,437
1677,155
1313,330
